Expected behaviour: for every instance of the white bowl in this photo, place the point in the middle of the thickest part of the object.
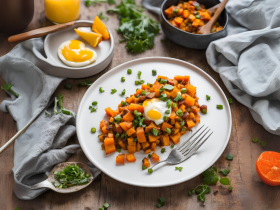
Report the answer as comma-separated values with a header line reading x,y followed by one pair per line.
x,y
105,52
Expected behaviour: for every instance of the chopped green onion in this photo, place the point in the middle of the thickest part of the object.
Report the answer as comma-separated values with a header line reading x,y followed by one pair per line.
x,y
174,105
113,91
123,103
165,118
101,90
172,146
122,79
219,106
117,135
183,90
119,150
154,72
154,132
144,167
167,112
94,103
162,150
168,104
168,130
175,11
118,118
197,7
179,113
139,74
149,155
162,81
208,97
129,71
122,93
230,101
197,16
182,123
143,93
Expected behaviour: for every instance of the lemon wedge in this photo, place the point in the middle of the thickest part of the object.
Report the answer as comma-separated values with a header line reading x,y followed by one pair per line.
x,y
89,36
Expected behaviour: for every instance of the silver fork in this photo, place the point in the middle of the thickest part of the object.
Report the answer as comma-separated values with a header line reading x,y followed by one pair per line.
x,y
188,148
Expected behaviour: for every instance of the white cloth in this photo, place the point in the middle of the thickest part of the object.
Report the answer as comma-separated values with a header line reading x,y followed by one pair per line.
x,y
248,59
42,145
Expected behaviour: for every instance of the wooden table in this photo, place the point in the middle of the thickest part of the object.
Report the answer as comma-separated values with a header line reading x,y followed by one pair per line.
x,y
248,191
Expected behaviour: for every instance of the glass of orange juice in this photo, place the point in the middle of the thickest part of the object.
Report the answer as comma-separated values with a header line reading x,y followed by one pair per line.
x,y
62,11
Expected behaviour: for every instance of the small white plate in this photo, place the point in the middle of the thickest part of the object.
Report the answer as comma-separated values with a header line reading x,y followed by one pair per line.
x,y
105,52
132,173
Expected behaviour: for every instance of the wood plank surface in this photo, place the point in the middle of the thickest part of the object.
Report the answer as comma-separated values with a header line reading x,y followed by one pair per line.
x,y
248,191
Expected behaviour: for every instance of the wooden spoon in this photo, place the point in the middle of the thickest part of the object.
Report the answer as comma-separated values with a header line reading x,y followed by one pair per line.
x,y
48,183
39,32
206,29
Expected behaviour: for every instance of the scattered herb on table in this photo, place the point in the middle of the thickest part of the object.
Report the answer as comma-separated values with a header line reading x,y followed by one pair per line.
x,y
161,202
101,90
229,157
138,28
113,91
262,143
58,104
179,168
230,101
87,82
94,2
17,208
219,106
225,172
71,175
230,187
68,86
255,140
102,17
225,181
8,88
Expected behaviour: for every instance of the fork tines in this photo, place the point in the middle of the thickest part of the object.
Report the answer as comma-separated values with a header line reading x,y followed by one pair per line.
x,y
191,146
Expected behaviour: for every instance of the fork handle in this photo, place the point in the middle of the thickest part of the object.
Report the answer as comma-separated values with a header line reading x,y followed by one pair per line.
x,y
159,163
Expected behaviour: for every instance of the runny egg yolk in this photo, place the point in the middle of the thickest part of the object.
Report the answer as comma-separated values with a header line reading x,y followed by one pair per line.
x,y
154,114
76,52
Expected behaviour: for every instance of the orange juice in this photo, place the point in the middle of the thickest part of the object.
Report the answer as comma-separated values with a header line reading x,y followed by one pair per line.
x,y
62,11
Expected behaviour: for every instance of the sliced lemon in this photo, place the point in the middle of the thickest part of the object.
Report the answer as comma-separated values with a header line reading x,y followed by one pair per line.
x,y
89,36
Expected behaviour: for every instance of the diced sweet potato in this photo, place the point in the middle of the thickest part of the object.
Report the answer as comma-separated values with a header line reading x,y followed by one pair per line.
x,y
153,146
185,14
138,147
165,140
132,148
150,127
146,162
110,149
196,22
120,158
147,151
145,145
189,100
178,20
128,117
130,157
190,123
140,135
131,142
191,90
175,137
153,138
155,157
130,131
174,92
108,141
122,145
137,107
130,100
126,125
165,125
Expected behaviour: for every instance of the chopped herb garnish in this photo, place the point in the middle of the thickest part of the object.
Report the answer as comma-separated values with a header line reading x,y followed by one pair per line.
x,y
101,90
263,143
106,205
219,106
117,135
178,97
87,82
224,181
8,88
93,130
163,97
175,11
71,175
172,146
113,91
139,82
165,118
139,74
143,93
135,123
162,150
169,103
229,157
230,187
174,105
123,103
58,104
129,71
183,90
154,72
149,155
230,101
225,172
179,168
102,17
168,130
123,79
168,87
179,113
197,7
204,111
144,167
255,140
150,170
197,16
208,97
122,93
135,139
167,112
118,118
161,89
161,202
94,103
154,132
136,113
182,123
163,81
68,86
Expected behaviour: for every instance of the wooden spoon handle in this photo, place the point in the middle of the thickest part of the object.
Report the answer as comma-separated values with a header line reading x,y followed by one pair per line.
x,y
39,32
217,13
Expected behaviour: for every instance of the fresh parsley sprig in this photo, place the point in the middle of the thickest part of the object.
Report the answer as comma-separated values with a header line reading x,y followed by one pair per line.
x,y
137,28
94,2
58,104
102,17
87,82
8,88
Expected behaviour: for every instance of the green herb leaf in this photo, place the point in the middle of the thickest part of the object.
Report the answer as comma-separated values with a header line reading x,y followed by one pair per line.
x,y
163,97
229,157
208,97
178,98
168,87
219,106
87,82
154,72
179,168
255,140
224,181
210,176
122,93
230,101
230,187
94,2
155,132
263,143
102,17
225,172
161,201
8,88
113,91
106,205
162,150
123,79
68,86
139,74
58,104
17,208
101,90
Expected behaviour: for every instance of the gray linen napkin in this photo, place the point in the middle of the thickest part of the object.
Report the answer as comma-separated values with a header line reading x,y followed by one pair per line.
x,y
42,145
248,59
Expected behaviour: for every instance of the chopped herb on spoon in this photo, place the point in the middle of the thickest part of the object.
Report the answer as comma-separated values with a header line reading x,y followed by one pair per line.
x,y
71,175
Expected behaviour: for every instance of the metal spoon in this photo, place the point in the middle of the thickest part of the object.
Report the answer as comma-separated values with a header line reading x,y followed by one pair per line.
x,y
48,183
206,29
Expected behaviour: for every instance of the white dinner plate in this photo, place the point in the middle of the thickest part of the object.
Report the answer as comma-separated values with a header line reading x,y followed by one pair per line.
x,y
132,173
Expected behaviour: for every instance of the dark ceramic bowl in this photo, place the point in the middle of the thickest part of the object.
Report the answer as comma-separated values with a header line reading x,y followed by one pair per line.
x,y
186,39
